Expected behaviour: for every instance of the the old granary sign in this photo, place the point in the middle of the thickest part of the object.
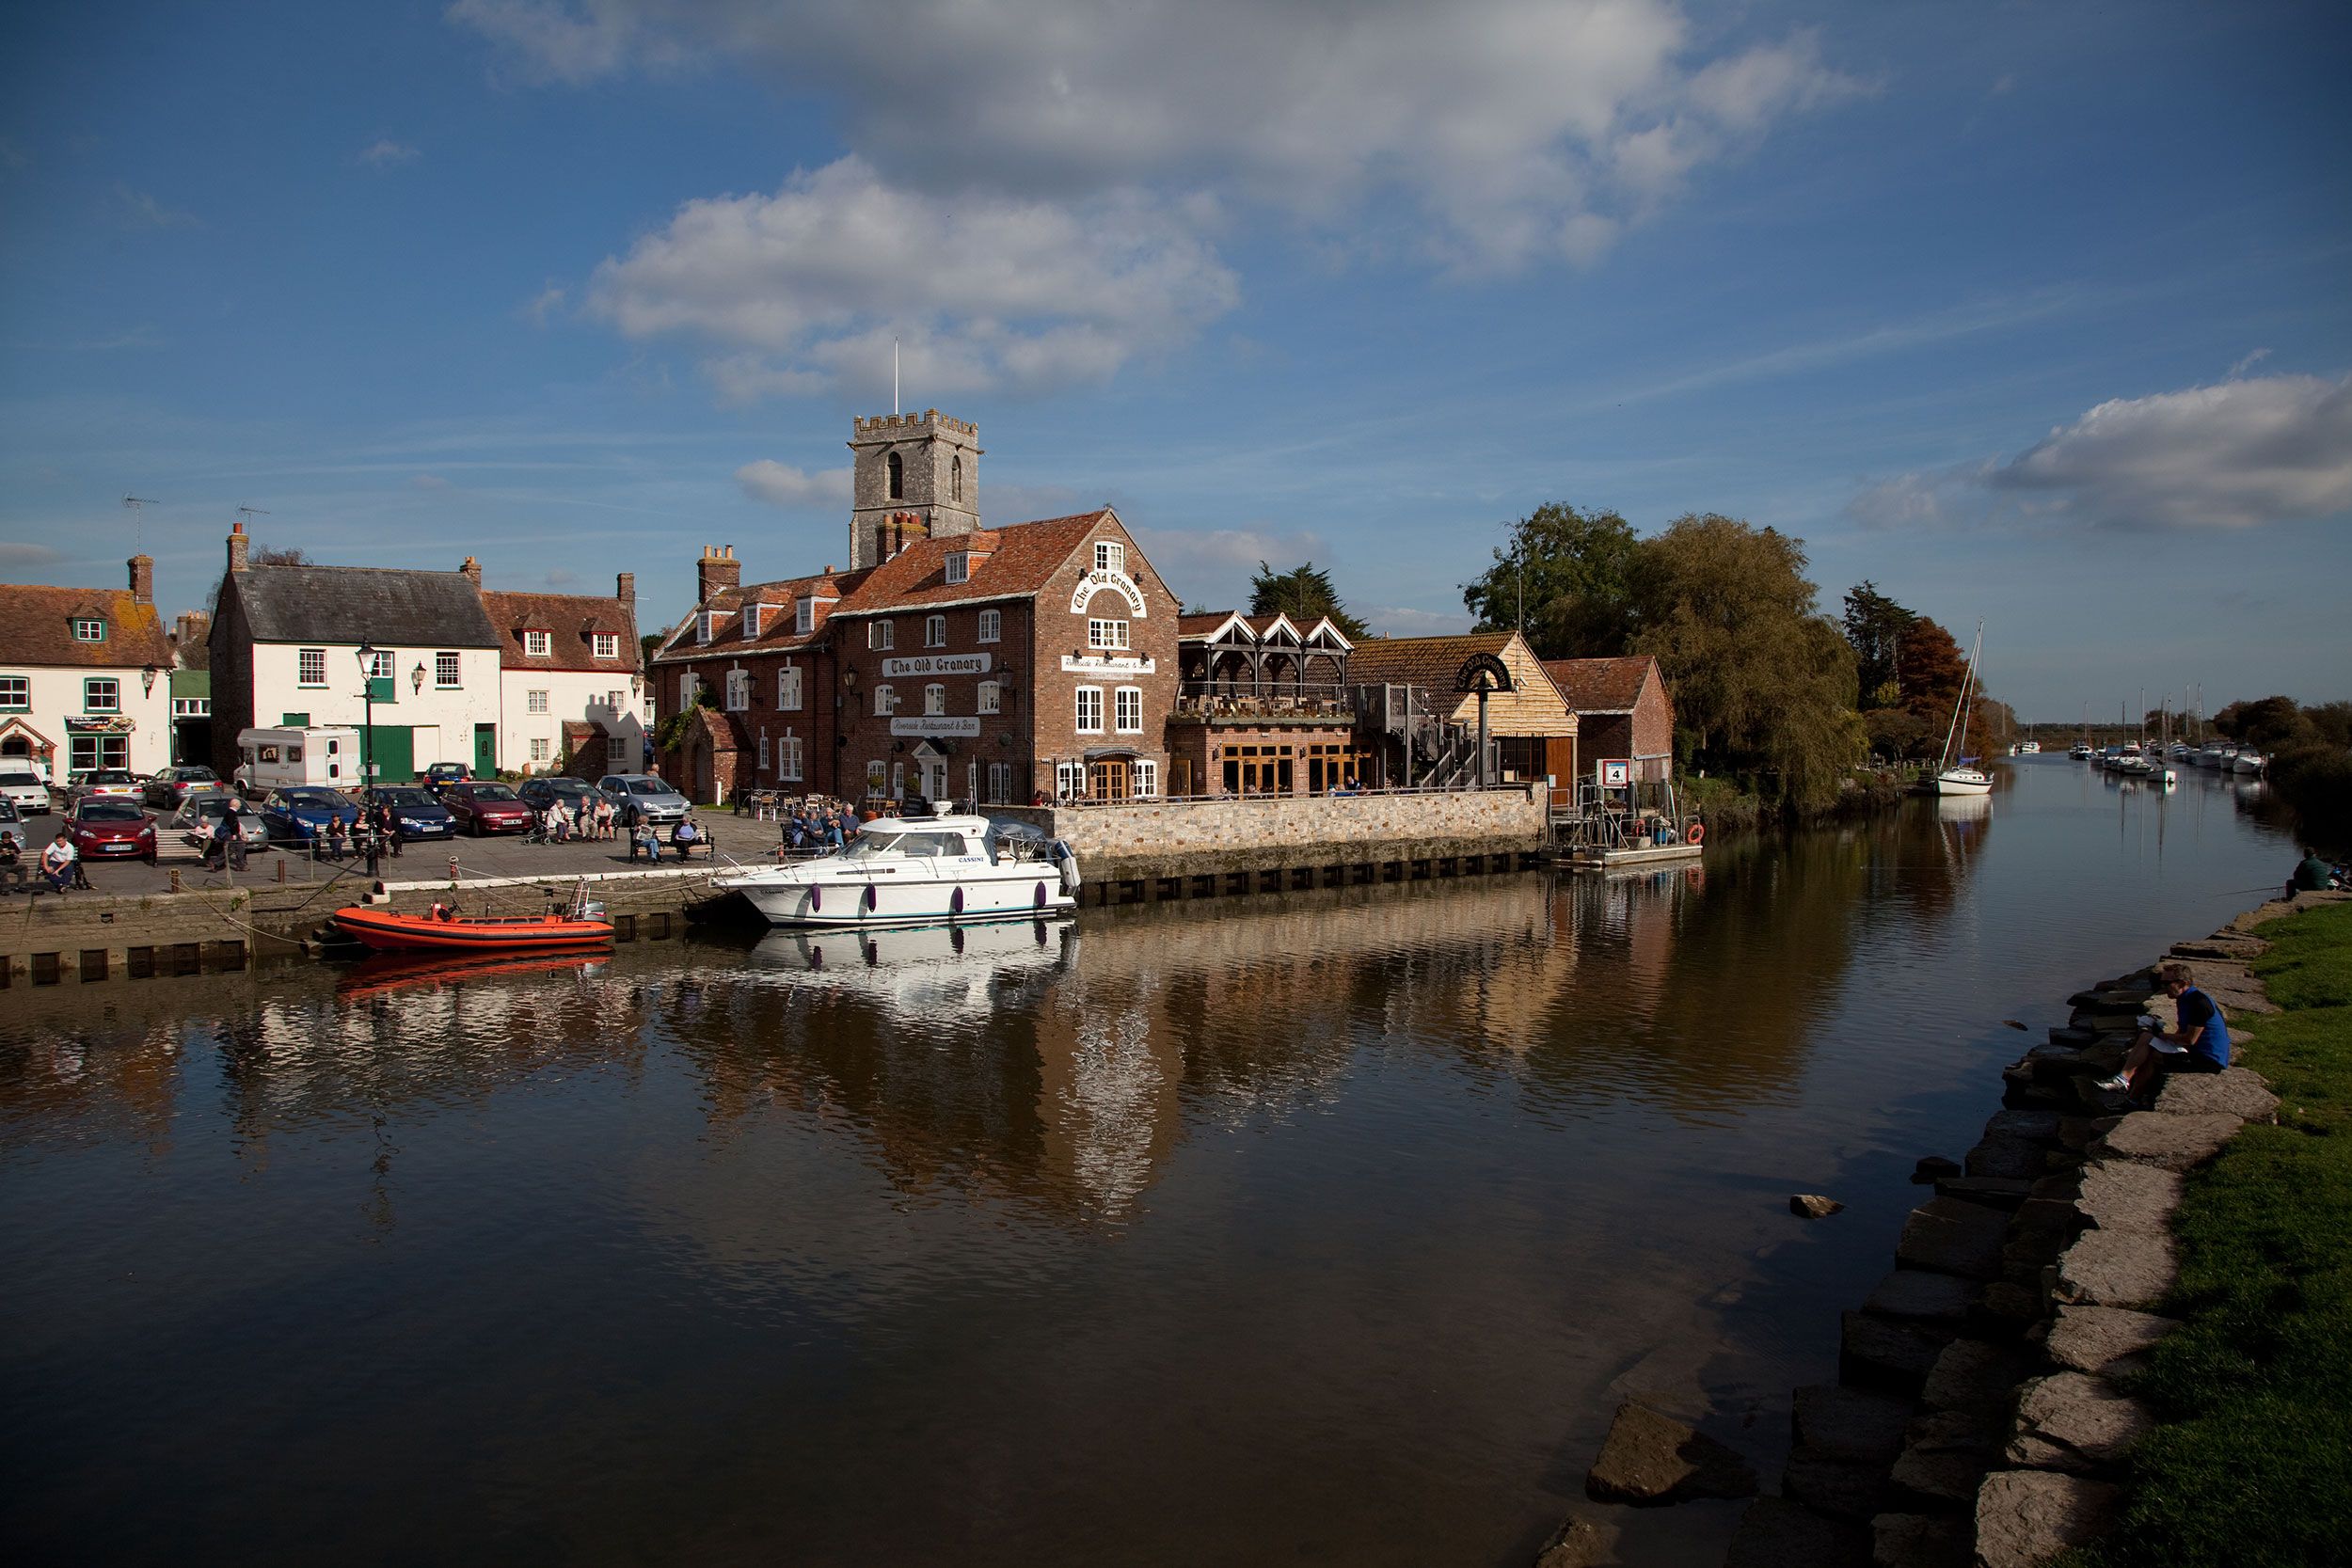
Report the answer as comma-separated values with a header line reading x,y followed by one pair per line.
x,y
937,664
1108,580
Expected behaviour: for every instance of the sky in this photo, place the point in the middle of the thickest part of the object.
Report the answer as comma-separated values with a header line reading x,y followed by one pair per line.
x,y
2037,313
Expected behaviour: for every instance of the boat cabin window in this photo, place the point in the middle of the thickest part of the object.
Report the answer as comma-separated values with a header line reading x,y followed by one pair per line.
x,y
870,846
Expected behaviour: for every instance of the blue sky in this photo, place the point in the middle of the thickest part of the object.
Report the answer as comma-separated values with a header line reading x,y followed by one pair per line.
x,y
2033,312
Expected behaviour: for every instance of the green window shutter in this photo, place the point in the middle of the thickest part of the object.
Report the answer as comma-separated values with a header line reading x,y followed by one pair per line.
x,y
294,722
380,689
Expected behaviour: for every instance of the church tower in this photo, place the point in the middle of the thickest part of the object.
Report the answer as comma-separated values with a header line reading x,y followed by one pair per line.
x,y
915,476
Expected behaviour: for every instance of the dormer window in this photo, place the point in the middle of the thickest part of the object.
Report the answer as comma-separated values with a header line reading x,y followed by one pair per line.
x,y
609,646
804,617
705,622
88,628
958,567
750,619
1110,557
538,644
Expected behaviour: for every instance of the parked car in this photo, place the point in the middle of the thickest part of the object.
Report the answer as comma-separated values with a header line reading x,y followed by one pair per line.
x,y
298,814
111,828
420,815
543,792
482,806
442,774
172,786
12,823
102,783
25,789
195,819
651,795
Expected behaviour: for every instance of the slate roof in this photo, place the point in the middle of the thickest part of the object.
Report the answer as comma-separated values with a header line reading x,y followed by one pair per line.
x,y
1601,685
395,608
572,621
775,634
37,629
1019,561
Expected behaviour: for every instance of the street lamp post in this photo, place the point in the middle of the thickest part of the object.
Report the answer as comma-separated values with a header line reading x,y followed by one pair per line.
x,y
366,756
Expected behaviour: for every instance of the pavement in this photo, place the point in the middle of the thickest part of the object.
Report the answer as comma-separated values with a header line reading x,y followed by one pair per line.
x,y
742,838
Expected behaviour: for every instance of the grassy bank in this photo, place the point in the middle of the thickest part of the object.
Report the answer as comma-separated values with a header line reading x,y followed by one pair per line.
x,y
2253,1464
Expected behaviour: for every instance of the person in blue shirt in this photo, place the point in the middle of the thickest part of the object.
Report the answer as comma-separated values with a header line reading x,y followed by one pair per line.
x,y
2199,1042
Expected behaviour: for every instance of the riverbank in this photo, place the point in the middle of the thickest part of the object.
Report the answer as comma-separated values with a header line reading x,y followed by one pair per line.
x,y
2060,1364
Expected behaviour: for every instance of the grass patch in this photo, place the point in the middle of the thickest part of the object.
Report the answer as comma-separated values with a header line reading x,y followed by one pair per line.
x,y
2253,1463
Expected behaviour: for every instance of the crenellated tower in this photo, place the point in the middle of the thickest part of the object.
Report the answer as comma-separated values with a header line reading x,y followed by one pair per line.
x,y
914,476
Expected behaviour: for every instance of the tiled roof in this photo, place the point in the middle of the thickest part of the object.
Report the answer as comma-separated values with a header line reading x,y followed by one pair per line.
x,y
572,621
1600,685
1200,628
1019,560
775,635
395,608
37,629
1532,709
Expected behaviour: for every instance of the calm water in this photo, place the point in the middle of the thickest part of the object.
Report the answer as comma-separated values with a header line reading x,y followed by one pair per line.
x,y
1315,1227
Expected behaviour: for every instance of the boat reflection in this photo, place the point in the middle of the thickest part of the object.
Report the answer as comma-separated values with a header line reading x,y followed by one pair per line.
x,y
385,973
919,969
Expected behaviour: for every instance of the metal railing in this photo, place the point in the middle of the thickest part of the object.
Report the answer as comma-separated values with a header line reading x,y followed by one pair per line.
x,y
1239,699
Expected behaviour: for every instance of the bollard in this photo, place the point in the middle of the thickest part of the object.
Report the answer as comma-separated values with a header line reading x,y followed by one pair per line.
x,y
175,878
282,868
453,870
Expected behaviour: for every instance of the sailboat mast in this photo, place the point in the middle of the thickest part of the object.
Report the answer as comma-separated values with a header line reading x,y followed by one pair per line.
x,y
1966,682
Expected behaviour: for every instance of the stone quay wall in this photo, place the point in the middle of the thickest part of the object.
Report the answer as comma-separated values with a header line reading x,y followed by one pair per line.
x,y
1197,837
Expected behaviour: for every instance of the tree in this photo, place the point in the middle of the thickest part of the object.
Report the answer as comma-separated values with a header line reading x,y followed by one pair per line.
x,y
1566,578
291,555
1304,594
1876,625
2269,724
1765,681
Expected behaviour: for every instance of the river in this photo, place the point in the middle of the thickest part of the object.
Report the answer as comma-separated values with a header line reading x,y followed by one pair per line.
x,y
1323,1226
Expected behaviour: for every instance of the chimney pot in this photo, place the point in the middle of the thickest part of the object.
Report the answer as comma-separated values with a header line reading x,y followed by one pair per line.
x,y
625,587
142,579
240,548
472,571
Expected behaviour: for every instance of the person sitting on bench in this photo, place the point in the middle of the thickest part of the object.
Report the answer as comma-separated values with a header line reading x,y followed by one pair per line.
x,y
687,836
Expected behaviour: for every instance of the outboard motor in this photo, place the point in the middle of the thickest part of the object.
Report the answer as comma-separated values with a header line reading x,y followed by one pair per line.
x,y
1067,857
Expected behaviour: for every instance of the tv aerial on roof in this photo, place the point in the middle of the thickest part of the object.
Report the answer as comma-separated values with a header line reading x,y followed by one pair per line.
x,y
138,524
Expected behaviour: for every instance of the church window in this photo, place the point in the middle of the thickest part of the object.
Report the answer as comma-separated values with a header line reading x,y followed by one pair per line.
x,y
897,478
954,477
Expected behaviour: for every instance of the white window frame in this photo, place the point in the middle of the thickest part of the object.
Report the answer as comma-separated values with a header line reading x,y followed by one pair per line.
x,y
999,784
539,750
788,697
992,698
763,751
705,622
1088,716
686,690
804,617
958,567
608,644
88,628
536,700
538,644
752,615
380,667
101,695
1144,778
1107,636
309,667
881,635
16,693
739,690
1127,710
1070,781
991,625
616,752
935,700
934,631
885,701
789,761
1111,556
449,672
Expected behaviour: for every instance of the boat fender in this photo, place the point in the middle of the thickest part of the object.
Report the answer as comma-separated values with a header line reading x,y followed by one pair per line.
x,y
1697,836
872,896
816,899
955,904
1068,859
1039,902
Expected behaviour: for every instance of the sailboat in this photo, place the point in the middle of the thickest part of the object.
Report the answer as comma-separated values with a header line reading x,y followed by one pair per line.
x,y
1954,776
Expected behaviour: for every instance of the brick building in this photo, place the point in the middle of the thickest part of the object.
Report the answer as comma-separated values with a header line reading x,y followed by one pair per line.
x,y
1263,708
1533,733
955,660
1622,711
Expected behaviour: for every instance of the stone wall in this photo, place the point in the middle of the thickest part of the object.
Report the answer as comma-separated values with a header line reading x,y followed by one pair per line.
x,y
1185,837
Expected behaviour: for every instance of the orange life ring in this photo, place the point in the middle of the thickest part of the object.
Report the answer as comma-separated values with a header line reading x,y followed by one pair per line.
x,y
1697,836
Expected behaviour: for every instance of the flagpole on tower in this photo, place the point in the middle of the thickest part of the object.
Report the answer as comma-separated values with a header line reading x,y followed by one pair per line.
x,y
894,375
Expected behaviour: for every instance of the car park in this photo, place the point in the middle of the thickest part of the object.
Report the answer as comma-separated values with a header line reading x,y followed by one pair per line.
x,y
299,815
102,783
652,798
25,789
419,814
442,774
193,823
543,792
111,828
482,806
171,787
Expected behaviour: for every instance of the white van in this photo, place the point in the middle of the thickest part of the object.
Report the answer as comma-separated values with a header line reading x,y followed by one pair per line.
x,y
279,759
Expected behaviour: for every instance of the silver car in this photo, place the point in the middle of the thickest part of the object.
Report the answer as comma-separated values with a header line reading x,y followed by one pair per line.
x,y
23,788
655,798
194,821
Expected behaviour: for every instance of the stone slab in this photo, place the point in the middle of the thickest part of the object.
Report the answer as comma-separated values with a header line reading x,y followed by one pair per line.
x,y
1652,1459
1946,1457
2115,1268
1918,1294
2121,1195
2168,1142
1849,1425
1579,1542
2076,1422
1994,1192
2026,1517
2010,1159
2033,1126
1881,1353
1950,1236
2232,1092
1973,1374
1777,1533
2105,1338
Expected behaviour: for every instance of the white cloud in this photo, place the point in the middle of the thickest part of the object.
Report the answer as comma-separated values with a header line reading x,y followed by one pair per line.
x,y
1212,567
1515,131
17,554
384,152
2236,455
2256,357
781,484
1406,621
545,304
807,288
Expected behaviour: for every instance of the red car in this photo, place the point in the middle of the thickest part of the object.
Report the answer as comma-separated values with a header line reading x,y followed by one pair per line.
x,y
480,806
106,827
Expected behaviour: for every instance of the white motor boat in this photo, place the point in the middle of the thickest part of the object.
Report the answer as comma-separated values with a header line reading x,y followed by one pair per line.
x,y
919,871
2081,751
2029,747
1962,781
2247,761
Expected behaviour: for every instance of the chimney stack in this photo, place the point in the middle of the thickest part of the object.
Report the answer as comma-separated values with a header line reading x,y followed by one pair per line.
x,y
239,546
142,579
472,571
625,587
716,572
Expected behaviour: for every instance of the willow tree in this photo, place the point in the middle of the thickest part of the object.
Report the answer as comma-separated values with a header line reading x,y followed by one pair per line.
x,y
1763,681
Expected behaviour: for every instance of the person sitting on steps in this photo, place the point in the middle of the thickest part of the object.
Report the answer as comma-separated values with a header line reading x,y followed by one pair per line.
x,y
2199,1043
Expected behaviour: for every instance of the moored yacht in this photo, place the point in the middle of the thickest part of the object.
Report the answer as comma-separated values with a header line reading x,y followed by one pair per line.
x,y
2247,761
918,870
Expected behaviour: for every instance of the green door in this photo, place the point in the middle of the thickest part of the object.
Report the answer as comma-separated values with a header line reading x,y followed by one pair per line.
x,y
486,751
395,753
